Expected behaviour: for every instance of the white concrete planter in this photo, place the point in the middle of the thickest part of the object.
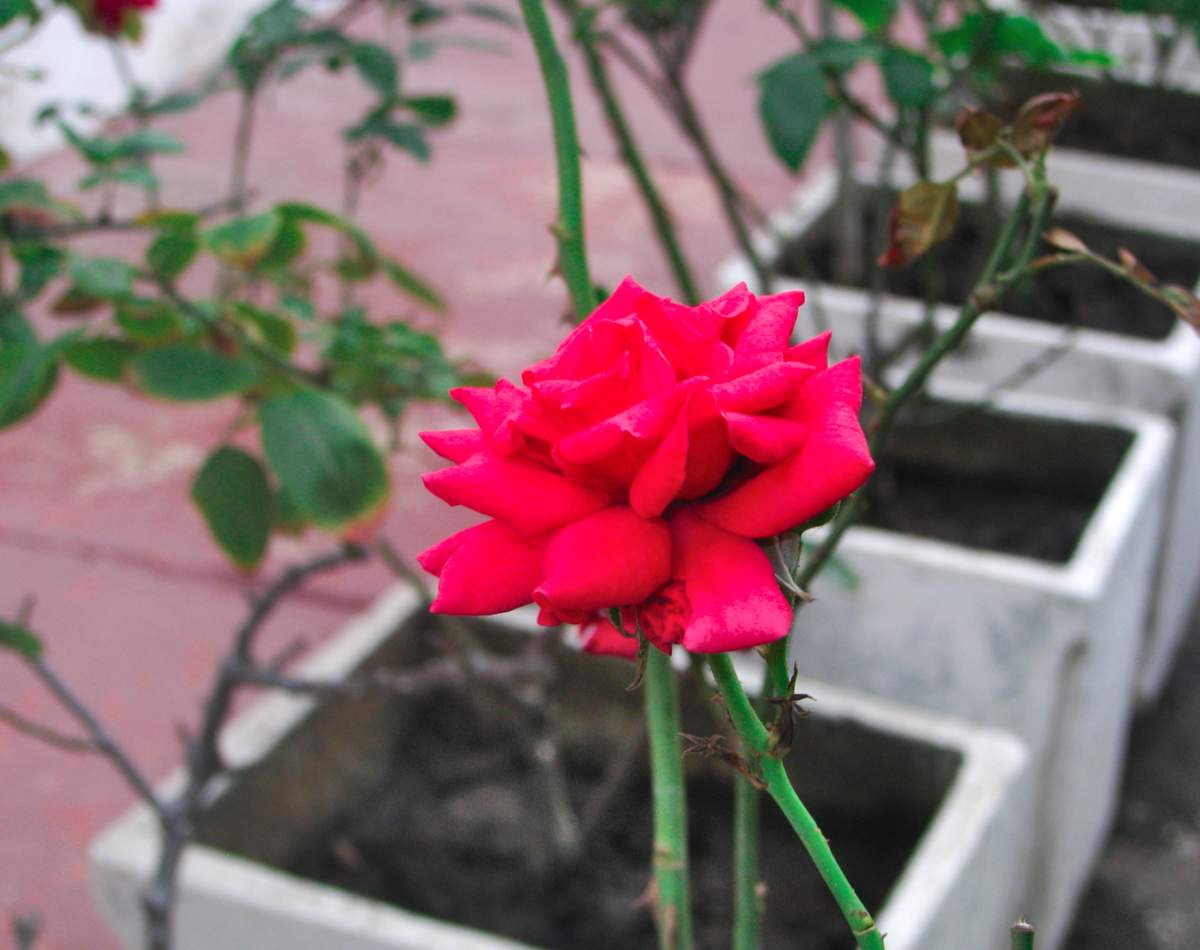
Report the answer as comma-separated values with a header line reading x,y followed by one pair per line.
x,y
1047,651
1128,37
1161,376
956,890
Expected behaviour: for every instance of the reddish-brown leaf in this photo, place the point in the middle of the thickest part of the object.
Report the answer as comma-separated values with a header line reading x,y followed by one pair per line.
x,y
1039,120
924,215
978,131
1135,268
1064,240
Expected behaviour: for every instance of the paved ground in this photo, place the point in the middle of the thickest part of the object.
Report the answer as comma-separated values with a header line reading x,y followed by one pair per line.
x,y
131,594
132,597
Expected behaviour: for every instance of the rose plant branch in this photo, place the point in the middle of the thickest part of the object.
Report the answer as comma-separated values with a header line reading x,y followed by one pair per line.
x,y
747,899
993,284
568,229
672,900
660,215
756,742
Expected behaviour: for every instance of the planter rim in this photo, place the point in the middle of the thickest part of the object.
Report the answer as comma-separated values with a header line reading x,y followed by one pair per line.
x,y
1085,573
1180,348
991,761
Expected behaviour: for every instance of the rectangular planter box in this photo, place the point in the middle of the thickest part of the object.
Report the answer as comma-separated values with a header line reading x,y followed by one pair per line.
x,y
956,890
1161,376
1044,650
1129,37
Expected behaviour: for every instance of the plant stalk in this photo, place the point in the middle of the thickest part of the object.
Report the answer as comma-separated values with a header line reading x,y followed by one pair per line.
x,y
672,904
1022,935
747,905
568,229
755,741
660,216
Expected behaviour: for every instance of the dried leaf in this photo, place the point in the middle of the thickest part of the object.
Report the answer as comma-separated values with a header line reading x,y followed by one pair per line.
x,y
924,216
1039,120
1064,240
1135,268
1184,303
978,131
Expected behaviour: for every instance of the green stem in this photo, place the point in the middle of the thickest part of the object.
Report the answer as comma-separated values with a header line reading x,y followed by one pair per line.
x,y
673,906
755,740
747,908
1022,936
664,228
990,289
568,230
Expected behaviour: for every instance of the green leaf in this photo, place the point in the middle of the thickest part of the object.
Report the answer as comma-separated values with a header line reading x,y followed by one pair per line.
x,y
138,175
413,285
10,10
96,150
793,103
177,102
377,66
102,278
908,77
842,55
146,142
289,244
103,357
324,457
24,194
14,637
407,138
191,374
147,321
40,264
286,515
245,241
433,110
275,331
232,494
873,14
28,373
171,253
489,11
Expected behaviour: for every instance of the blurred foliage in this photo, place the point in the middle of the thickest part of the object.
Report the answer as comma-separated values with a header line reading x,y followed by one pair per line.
x,y
239,300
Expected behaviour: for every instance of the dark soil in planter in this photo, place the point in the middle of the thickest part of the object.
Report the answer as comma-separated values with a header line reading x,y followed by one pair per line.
x,y
454,822
1124,119
994,482
1078,295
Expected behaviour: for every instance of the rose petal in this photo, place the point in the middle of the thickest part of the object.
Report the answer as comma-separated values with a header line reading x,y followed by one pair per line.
x,y
606,560
767,334
764,439
833,462
490,407
457,445
814,352
601,638
649,419
735,600
709,452
486,569
524,495
661,477
763,389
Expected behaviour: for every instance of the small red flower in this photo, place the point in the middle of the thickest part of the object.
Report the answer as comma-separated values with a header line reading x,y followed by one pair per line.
x,y
108,16
634,468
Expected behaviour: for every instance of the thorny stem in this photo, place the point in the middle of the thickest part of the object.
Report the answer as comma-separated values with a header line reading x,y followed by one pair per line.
x,y
991,287
568,229
755,741
99,737
747,905
1022,935
672,903
660,216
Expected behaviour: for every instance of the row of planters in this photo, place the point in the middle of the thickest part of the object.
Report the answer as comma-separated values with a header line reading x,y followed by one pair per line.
x,y
1029,562
976,645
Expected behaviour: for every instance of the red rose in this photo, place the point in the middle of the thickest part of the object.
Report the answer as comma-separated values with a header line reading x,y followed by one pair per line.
x,y
632,467
108,16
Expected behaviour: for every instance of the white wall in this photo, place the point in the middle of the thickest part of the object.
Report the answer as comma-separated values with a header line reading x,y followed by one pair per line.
x,y
182,39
